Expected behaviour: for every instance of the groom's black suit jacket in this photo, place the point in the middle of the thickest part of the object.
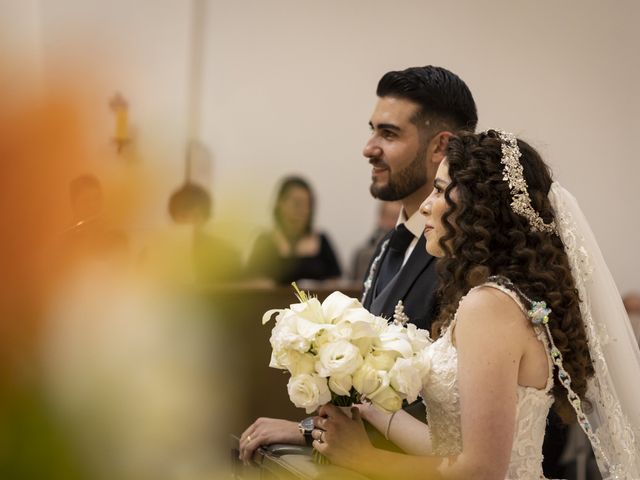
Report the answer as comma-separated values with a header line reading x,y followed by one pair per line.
x,y
415,285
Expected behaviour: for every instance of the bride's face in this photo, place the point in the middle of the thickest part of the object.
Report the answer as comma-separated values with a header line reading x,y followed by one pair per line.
x,y
433,208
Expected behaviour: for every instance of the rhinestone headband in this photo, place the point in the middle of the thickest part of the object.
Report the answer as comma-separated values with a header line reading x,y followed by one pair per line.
x,y
513,174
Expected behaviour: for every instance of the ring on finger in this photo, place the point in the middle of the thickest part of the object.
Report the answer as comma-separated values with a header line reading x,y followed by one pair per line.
x,y
248,438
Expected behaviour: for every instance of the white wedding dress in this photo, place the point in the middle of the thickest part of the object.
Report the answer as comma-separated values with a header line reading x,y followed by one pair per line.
x,y
440,394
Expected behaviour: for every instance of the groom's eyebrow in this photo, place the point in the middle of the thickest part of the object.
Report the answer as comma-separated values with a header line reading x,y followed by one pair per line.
x,y
386,126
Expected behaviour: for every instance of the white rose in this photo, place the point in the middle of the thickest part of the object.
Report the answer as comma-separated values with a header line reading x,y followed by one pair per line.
x,y
308,391
293,361
347,330
382,360
304,363
423,363
405,377
340,385
418,337
379,324
285,336
364,345
279,358
395,338
294,332
386,398
366,380
325,336
338,358
340,331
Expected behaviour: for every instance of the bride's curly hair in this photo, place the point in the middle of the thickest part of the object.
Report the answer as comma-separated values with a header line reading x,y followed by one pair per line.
x,y
484,237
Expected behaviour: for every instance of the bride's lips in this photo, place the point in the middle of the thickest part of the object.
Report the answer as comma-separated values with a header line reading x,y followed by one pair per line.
x,y
427,229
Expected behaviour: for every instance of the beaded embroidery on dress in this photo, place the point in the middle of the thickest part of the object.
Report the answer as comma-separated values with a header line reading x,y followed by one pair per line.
x,y
440,394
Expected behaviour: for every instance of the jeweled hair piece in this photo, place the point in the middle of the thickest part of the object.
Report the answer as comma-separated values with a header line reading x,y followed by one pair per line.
x,y
513,174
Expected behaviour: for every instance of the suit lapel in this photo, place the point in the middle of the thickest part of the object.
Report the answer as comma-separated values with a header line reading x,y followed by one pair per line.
x,y
415,265
368,298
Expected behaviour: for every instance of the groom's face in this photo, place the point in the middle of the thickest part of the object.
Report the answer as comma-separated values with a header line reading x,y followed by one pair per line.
x,y
395,150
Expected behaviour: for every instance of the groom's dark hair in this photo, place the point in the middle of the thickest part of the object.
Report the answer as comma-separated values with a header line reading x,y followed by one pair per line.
x,y
441,95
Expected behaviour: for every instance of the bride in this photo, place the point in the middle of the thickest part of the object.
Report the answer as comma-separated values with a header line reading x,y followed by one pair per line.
x,y
521,330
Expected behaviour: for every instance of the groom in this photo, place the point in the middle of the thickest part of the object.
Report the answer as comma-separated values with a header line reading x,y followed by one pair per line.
x,y
418,109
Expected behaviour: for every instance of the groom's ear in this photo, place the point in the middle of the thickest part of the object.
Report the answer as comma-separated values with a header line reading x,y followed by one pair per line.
x,y
438,146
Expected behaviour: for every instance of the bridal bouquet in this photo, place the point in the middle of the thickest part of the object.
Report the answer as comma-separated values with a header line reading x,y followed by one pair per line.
x,y
338,352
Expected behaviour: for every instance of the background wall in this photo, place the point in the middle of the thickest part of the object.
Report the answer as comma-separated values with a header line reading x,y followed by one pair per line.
x,y
288,87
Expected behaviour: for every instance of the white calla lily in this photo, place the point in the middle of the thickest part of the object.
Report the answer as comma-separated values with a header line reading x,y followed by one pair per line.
x,y
310,310
269,314
336,304
361,314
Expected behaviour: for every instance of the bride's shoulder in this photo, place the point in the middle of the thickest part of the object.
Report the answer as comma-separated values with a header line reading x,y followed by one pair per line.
x,y
488,307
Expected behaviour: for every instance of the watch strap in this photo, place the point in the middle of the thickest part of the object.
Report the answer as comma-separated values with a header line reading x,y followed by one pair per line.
x,y
306,426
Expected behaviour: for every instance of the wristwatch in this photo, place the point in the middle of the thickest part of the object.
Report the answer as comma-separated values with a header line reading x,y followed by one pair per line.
x,y
306,426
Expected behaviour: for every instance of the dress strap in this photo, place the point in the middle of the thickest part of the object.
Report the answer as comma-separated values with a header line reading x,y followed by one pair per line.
x,y
514,296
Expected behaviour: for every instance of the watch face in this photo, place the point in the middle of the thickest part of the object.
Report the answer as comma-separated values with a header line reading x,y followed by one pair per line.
x,y
307,424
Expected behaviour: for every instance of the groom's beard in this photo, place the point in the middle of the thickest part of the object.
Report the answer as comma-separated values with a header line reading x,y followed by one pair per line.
x,y
403,183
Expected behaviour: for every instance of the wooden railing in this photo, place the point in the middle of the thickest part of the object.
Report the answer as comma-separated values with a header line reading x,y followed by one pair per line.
x,y
254,390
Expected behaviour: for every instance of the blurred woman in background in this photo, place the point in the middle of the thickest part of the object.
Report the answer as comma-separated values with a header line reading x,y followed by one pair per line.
x,y
292,250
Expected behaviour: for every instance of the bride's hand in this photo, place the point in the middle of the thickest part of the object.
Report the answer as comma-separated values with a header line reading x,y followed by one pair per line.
x,y
340,437
363,408
347,410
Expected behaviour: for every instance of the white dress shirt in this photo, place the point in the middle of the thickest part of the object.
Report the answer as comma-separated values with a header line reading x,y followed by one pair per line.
x,y
415,224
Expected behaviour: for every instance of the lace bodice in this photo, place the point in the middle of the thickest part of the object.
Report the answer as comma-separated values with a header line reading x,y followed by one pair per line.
x,y
440,394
